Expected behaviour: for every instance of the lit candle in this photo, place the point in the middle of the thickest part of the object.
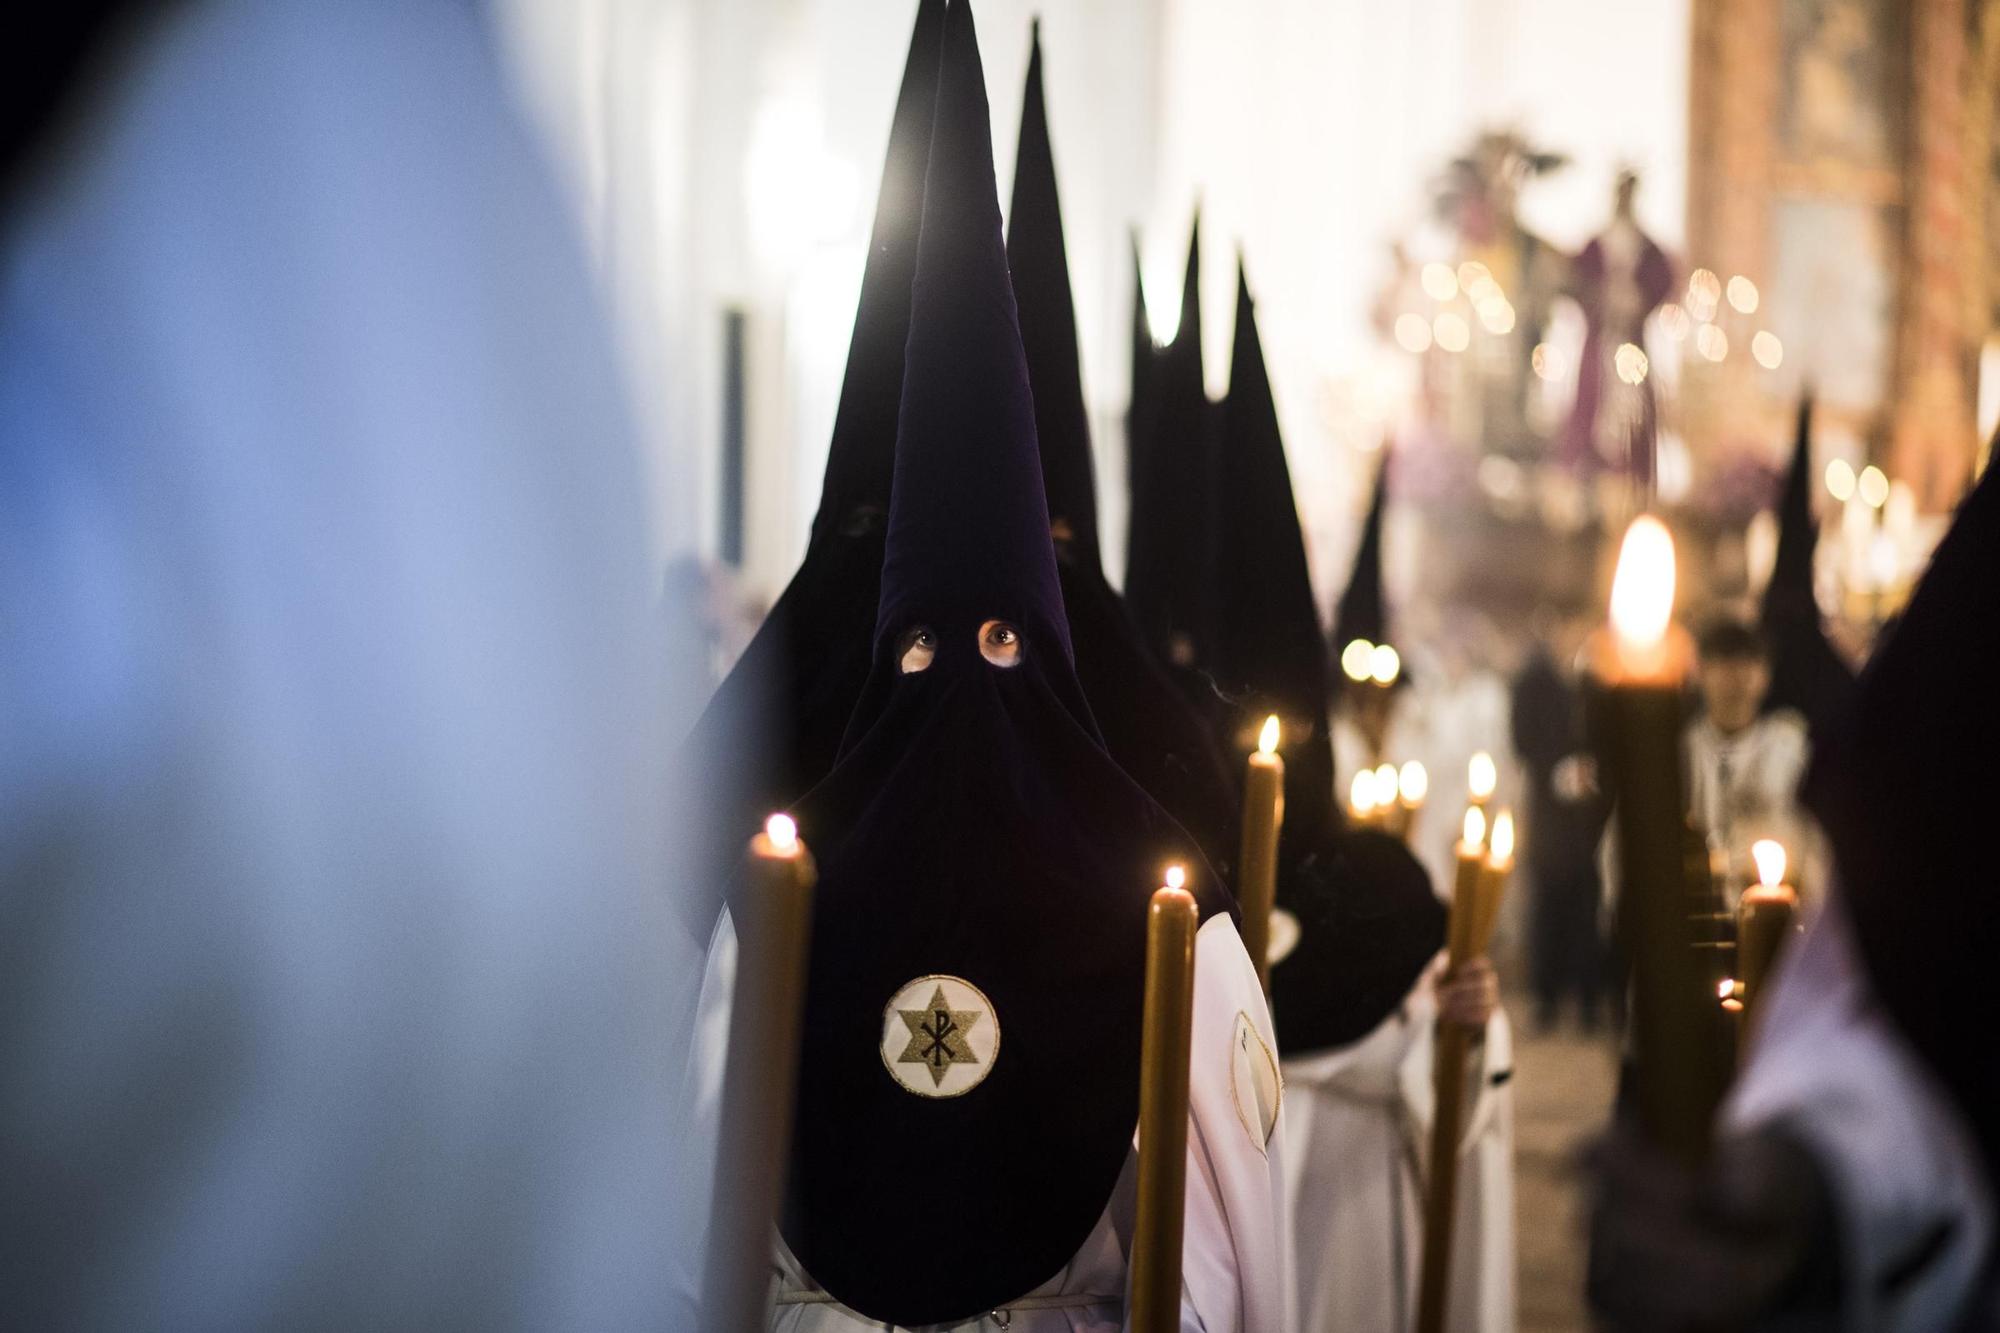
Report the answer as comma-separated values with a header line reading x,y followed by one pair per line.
x,y
1165,1037
1413,783
1384,665
1765,919
1386,811
1482,775
1361,803
1493,881
1257,876
1448,1082
1680,1064
772,916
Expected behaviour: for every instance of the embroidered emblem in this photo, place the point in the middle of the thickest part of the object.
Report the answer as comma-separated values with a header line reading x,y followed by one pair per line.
x,y
1255,1084
939,1036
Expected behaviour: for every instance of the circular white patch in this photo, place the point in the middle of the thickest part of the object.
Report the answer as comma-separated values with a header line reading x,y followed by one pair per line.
x,y
940,1036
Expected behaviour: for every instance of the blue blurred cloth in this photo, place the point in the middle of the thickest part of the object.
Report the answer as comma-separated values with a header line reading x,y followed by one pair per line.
x,y
339,985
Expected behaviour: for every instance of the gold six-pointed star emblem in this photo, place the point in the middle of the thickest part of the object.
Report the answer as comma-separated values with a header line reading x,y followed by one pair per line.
x,y
937,1036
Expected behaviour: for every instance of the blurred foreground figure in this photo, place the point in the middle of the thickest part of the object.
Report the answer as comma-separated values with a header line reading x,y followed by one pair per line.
x,y
338,982
1852,1181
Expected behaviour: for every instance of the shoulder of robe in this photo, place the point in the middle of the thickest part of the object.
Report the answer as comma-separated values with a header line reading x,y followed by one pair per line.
x,y
1246,1048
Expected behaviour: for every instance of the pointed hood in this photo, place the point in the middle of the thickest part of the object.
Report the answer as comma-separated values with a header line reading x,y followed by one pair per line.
x,y
983,861
968,521
1148,726
1363,612
1144,354
1368,921
785,704
1040,265
863,452
1904,787
1169,580
1806,673
1270,654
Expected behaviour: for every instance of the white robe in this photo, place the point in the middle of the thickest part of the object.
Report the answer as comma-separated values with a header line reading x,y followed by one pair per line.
x,y
1357,1136
1829,1067
1235,1256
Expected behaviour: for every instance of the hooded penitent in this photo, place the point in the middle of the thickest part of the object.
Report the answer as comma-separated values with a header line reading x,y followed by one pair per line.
x,y
968,1081
779,716
1169,579
1368,921
1904,786
1806,673
1147,723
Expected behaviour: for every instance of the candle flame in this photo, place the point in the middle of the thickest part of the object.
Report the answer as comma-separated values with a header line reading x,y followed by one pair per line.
x,y
1176,876
1414,782
1482,775
1725,988
1475,827
1357,659
1642,591
1502,842
1385,784
1770,859
1362,794
1267,739
783,833
1385,664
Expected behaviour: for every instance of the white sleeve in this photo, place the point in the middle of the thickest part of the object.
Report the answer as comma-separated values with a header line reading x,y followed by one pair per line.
x,y
1913,1213
1236,1257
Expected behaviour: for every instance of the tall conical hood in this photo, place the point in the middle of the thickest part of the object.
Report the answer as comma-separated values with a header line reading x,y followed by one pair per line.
x,y
860,460
1905,788
1040,265
785,704
1147,724
968,520
1169,580
983,861
1363,612
1368,921
1144,354
1806,673
1270,653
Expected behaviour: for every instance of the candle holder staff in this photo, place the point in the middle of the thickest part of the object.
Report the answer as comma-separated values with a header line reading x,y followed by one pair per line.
x,y
1851,1180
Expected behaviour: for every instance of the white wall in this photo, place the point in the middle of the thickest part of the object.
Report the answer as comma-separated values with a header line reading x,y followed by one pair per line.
x,y
1308,127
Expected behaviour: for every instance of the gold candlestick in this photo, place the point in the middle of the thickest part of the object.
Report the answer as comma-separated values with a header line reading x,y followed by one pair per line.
x,y
1681,1070
1451,1043
772,915
1263,816
1166,1035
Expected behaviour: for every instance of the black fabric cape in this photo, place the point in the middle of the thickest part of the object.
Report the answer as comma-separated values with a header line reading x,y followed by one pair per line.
x,y
1368,920
973,827
781,711
1806,673
1905,788
1146,722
